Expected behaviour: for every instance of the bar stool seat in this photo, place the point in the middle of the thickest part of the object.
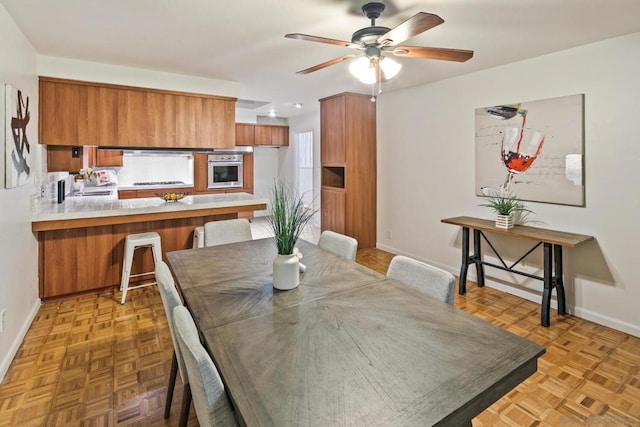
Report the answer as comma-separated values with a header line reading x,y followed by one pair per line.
x,y
131,243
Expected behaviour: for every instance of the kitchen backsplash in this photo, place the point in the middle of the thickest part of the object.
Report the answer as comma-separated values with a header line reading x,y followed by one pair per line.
x,y
156,167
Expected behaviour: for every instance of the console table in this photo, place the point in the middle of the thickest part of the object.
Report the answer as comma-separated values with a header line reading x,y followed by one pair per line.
x,y
552,242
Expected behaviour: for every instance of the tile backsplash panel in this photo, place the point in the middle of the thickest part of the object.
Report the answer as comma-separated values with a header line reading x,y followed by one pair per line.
x,y
150,168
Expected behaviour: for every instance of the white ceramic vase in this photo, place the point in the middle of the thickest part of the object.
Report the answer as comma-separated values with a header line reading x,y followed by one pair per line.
x,y
286,272
505,221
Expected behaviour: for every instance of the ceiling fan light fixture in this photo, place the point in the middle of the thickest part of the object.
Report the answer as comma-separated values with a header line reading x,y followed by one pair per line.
x,y
363,69
390,68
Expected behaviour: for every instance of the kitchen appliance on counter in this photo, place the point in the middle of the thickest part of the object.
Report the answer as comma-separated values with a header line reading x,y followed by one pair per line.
x,y
224,171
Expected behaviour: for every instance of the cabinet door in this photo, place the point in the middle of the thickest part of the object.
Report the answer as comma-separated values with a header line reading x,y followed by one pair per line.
x,y
245,134
332,130
188,109
108,157
332,210
200,172
63,113
262,135
217,124
60,159
280,136
146,119
102,114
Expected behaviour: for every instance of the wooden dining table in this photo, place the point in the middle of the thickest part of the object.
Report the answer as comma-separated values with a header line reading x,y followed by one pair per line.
x,y
348,347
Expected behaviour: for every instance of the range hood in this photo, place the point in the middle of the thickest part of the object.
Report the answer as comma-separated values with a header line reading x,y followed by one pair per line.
x,y
154,151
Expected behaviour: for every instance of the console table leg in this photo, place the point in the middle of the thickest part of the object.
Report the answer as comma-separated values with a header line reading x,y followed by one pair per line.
x,y
548,285
558,278
462,279
477,257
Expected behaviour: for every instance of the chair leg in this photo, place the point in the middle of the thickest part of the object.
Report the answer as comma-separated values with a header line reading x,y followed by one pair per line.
x,y
186,404
171,385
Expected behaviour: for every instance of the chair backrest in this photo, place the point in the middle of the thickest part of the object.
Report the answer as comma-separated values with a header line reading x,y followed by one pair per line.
x,y
339,244
209,398
170,300
227,231
429,280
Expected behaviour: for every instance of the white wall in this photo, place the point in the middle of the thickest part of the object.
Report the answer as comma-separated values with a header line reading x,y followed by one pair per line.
x,y
426,172
106,73
18,246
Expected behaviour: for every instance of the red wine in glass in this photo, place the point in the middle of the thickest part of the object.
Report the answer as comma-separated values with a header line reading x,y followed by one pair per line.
x,y
520,148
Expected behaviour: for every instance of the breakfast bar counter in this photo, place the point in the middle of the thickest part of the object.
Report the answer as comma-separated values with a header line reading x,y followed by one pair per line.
x,y
81,241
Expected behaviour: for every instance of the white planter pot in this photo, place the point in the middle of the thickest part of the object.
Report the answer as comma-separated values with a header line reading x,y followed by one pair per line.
x,y
505,221
286,272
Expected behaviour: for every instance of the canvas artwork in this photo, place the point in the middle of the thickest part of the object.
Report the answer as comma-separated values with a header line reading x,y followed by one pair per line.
x,y
533,150
17,150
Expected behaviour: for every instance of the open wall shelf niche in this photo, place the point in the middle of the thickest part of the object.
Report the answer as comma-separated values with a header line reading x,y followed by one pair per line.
x,y
333,176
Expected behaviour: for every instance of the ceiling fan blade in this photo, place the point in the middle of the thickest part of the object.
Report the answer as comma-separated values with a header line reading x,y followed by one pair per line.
x,y
458,55
324,64
308,38
413,26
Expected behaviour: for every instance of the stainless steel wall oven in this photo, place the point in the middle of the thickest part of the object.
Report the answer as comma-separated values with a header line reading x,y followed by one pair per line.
x,y
224,171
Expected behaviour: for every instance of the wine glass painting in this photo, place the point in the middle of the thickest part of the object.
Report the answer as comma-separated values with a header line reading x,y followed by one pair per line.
x,y
532,149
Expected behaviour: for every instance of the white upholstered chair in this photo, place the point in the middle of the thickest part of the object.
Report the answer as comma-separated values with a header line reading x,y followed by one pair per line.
x,y
171,300
429,280
209,398
338,244
221,232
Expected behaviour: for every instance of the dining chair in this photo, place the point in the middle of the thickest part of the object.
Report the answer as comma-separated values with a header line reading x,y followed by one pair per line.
x,y
170,300
426,278
209,397
338,244
216,233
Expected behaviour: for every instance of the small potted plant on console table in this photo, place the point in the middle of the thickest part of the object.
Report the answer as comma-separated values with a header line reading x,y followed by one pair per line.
x,y
506,206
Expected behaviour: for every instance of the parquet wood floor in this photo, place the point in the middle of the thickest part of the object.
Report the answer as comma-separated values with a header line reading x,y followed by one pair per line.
x,y
89,361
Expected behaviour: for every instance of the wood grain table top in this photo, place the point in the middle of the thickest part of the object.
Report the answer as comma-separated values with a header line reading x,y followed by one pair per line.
x,y
347,347
555,237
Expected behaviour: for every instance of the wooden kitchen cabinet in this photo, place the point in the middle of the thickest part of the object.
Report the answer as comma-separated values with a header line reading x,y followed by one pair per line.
x,y
84,113
271,135
61,158
198,123
348,161
142,193
62,114
245,134
101,157
333,210
102,116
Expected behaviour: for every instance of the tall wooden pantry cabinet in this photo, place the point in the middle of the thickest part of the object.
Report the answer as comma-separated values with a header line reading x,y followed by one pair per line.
x,y
348,161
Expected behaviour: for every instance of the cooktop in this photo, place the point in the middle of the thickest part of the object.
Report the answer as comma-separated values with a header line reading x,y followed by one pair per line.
x,y
159,183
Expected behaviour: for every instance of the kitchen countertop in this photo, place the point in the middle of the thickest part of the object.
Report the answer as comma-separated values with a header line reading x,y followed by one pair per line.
x,y
86,207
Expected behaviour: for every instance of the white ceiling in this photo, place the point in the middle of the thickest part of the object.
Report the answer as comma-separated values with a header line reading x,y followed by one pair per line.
x,y
243,40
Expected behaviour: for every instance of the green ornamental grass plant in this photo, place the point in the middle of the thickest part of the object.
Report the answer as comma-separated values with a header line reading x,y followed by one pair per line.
x,y
505,204
287,216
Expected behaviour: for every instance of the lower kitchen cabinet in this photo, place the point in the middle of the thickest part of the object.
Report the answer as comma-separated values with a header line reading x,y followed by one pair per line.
x,y
139,194
333,210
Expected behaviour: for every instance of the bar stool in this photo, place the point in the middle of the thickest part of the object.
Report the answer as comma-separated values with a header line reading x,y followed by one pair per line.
x,y
131,243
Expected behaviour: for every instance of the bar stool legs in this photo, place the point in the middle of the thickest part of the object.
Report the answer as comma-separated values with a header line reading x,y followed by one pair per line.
x,y
133,242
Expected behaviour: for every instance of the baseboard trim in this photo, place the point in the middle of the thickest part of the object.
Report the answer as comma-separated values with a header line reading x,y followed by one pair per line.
x,y
531,295
13,350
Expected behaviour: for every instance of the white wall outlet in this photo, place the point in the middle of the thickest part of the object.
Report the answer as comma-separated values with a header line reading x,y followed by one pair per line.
x,y
389,234
2,313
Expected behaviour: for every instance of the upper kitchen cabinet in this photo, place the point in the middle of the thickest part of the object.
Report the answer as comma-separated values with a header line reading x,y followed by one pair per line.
x,y
271,135
146,119
62,115
205,122
245,134
84,113
332,129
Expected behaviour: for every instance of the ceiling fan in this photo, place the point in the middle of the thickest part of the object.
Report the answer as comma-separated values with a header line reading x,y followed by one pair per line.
x,y
373,41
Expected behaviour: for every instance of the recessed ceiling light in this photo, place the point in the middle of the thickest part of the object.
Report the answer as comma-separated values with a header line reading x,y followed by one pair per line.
x,y
297,105
272,113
